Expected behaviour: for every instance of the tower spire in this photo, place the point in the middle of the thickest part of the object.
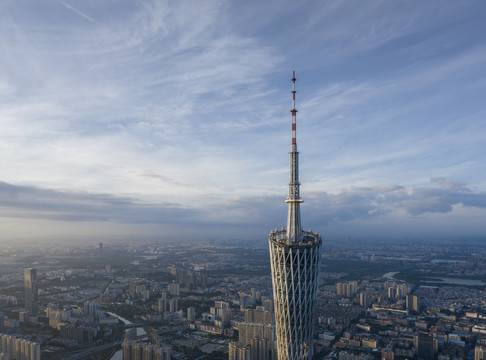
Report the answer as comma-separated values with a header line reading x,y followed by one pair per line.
x,y
294,259
294,226
293,111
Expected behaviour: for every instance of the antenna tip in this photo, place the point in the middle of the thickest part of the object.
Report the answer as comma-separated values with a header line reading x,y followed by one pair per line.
x,y
293,75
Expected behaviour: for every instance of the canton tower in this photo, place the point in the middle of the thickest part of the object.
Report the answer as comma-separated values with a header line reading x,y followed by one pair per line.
x,y
294,257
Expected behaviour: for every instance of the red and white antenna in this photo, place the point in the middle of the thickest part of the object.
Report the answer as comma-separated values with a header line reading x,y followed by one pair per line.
x,y
294,112
294,227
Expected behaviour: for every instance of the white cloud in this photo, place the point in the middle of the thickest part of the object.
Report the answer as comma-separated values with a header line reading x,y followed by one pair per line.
x,y
80,13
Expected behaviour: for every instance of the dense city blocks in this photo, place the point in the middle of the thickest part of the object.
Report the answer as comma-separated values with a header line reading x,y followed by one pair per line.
x,y
207,300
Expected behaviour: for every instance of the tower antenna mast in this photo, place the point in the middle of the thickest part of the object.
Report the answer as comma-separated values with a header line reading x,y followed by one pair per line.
x,y
294,226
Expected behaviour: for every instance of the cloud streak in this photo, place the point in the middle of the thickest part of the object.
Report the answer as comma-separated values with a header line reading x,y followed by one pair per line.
x,y
34,203
349,205
80,13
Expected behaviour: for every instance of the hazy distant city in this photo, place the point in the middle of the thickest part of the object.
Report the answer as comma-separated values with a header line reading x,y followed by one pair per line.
x,y
192,300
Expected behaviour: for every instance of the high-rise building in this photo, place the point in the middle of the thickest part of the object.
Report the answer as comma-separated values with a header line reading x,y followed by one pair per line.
x,y
135,350
256,337
23,316
396,290
294,258
480,352
173,305
31,291
259,315
17,348
204,279
244,301
348,289
91,308
2,321
174,289
57,316
239,351
364,299
191,313
162,305
426,345
221,305
412,303
268,305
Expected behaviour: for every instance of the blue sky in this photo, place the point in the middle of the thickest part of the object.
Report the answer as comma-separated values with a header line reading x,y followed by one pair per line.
x,y
170,119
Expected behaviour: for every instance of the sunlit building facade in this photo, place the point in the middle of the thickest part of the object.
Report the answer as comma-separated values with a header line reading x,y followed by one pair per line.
x,y
17,348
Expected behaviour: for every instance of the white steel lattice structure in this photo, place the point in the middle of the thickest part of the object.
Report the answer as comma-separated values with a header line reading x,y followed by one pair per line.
x,y
295,259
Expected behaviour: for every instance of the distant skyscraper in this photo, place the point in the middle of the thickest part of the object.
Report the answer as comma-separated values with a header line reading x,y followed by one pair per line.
x,y
480,352
426,345
348,289
174,289
2,321
91,308
30,285
364,299
294,258
412,302
18,348
191,313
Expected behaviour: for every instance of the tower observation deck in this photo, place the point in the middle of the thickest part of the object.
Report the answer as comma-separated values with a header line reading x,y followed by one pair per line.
x,y
295,260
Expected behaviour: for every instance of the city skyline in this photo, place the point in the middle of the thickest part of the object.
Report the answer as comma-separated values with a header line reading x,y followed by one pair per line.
x,y
159,119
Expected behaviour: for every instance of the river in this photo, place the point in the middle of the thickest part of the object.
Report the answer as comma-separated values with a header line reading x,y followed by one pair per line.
x,y
140,331
390,275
